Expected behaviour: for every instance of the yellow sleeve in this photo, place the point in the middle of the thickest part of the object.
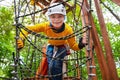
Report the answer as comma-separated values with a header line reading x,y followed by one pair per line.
x,y
72,41
35,28
32,2
73,44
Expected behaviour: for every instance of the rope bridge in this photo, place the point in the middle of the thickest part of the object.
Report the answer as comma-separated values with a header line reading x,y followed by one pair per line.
x,y
26,61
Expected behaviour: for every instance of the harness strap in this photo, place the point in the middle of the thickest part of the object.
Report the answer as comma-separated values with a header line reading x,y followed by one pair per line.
x,y
63,46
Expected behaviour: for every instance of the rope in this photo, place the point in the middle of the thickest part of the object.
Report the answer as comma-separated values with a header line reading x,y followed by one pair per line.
x,y
62,38
42,9
48,76
77,32
43,53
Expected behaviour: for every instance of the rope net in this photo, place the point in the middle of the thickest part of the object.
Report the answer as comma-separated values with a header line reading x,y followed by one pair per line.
x,y
27,60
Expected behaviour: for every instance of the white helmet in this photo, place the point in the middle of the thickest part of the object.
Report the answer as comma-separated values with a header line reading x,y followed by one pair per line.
x,y
56,8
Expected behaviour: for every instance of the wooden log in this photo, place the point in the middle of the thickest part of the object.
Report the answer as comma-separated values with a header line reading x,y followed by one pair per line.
x,y
108,49
99,52
116,2
85,22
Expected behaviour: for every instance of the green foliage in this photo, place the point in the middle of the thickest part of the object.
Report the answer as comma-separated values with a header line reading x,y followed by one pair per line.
x,y
28,54
6,40
114,34
118,70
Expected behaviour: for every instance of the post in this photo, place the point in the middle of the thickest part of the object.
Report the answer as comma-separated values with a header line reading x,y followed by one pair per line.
x,y
99,52
90,64
108,49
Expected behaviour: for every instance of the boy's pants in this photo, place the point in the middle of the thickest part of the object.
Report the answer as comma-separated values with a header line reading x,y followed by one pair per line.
x,y
55,64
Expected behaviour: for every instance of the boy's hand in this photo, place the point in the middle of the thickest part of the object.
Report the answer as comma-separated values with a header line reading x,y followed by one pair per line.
x,y
20,43
81,43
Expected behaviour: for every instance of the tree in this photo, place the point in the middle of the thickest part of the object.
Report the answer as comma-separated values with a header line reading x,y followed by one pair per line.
x,y
6,40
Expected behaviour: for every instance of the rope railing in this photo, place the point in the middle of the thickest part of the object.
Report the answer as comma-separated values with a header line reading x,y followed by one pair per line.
x,y
41,10
48,76
76,33
19,26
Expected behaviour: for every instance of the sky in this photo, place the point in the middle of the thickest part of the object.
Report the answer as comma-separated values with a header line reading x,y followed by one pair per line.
x,y
6,2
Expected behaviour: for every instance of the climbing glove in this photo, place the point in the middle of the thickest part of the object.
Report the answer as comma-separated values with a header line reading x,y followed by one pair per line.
x,y
20,43
81,44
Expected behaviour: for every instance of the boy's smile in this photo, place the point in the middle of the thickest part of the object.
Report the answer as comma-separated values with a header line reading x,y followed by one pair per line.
x,y
57,20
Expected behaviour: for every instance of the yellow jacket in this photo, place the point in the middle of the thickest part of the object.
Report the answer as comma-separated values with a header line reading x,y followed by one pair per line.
x,y
32,2
45,28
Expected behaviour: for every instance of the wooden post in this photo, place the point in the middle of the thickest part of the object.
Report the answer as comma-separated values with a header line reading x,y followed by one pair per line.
x,y
85,22
91,64
98,48
99,53
108,49
116,2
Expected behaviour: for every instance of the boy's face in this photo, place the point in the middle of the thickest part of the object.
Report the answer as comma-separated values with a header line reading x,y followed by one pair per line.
x,y
57,20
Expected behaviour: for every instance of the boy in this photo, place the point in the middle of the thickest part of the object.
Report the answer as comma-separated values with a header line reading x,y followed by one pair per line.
x,y
56,27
